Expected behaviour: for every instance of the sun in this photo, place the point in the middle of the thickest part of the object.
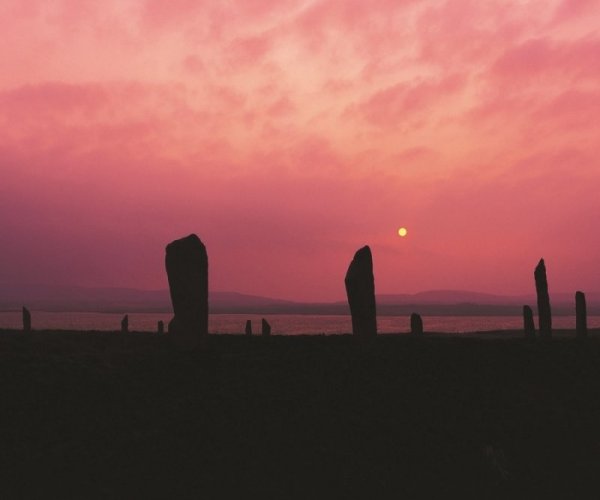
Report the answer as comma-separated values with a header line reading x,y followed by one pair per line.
x,y
402,232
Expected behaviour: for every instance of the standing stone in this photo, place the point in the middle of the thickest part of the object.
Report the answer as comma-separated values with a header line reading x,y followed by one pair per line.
x,y
360,289
161,327
26,320
187,270
125,324
543,300
266,328
528,324
416,324
248,327
580,315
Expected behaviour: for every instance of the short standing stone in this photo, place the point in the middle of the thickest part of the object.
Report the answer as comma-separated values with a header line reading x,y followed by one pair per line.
x,y
248,327
187,269
360,289
543,300
26,320
528,324
266,328
161,327
125,324
416,324
580,315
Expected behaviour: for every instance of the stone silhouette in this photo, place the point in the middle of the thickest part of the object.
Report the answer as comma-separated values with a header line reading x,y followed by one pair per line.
x,y
187,270
161,327
26,320
580,315
125,324
416,324
360,289
543,300
248,327
528,324
266,328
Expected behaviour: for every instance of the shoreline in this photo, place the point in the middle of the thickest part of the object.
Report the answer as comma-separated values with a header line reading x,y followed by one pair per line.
x,y
507,334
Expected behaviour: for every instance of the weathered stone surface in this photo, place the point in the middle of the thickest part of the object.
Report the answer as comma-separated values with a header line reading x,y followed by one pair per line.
x,y
543,300
580,315
266,328
161,327
528,324
187,270
416,324
26,320
125,324
360,289
248,327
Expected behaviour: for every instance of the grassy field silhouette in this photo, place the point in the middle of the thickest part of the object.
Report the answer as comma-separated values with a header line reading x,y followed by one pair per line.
x,y
99,415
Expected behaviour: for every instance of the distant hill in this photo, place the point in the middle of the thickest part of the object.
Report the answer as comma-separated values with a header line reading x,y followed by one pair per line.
x,y
222,300
449,297
432,303
74,298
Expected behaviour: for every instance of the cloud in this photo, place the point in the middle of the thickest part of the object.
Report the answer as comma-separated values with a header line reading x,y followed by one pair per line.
x,y
569,9
535,59
193,65
391,106
40,101
571,111
157,14
249,50
461,35
281,107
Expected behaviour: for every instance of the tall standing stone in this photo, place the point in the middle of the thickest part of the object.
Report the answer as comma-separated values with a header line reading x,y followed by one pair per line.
x,y
26,320
161,327
360,289
416,324
528,324
580,315
543,300
125,324
187,270
248,327
266,328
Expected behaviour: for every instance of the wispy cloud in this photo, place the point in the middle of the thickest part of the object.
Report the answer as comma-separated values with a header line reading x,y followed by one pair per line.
x,y
289,132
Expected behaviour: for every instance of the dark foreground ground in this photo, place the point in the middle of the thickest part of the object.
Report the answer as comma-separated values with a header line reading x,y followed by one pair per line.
x,y
104,415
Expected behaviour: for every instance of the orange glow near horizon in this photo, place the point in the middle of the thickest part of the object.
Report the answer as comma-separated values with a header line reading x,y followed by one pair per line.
x,y
287,134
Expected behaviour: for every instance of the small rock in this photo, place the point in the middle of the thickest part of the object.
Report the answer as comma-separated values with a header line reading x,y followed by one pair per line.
x,y
125,324
26,320
416,324
266,328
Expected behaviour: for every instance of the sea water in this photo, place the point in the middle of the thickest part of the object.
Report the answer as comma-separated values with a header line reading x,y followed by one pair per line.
x,y
282,324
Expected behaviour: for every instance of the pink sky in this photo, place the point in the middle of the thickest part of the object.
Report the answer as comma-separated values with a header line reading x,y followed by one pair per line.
x,y
289,133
